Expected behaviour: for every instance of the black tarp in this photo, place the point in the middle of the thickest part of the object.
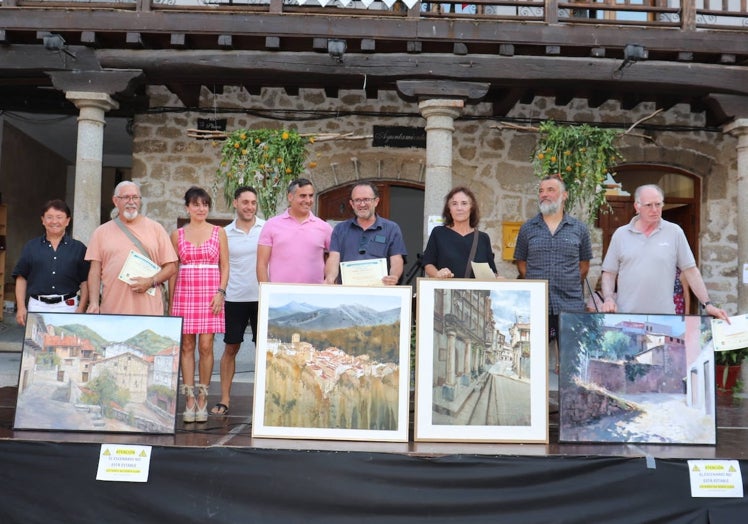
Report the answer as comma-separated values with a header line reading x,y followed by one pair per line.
x,y
48,482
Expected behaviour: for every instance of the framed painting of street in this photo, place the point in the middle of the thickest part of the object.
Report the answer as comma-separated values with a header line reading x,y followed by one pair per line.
x,y
481,361
332,362
630,378
102,373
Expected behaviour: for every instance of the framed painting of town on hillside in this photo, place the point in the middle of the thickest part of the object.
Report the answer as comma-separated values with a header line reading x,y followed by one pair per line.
x,y
481,361
332,362
102,373
630,378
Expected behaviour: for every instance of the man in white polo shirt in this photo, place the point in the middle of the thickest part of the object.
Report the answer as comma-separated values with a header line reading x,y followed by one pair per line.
x,y
242,289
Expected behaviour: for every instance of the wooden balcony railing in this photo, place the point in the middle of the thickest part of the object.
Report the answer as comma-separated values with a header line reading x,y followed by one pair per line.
x,y
684,14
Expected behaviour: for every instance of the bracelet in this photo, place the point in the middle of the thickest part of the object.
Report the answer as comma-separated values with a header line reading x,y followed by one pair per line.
x,y
222,291
154,284
707,304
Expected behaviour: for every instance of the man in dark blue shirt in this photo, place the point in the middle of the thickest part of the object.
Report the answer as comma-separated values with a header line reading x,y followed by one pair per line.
x,y
555,246
366,236
52,268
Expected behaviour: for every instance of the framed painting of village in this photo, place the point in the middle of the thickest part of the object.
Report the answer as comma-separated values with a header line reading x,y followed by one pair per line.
x,y
630,378
481,361
102,373
332,362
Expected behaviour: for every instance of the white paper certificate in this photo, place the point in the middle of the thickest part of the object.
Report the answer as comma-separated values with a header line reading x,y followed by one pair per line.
x,y
138,265
363,272
482,271
730,336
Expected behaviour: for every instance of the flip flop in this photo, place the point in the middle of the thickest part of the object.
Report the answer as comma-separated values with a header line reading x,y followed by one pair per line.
x,y
220,409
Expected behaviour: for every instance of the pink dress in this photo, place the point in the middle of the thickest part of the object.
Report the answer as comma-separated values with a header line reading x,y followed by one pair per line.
x,y
197,282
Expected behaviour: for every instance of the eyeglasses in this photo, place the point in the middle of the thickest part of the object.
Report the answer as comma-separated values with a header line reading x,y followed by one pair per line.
x,y
652,205
359,201
130,198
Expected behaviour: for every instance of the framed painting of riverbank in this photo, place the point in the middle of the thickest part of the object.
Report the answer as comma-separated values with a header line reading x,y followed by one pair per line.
x,y
631,378
481,361
100,373
332,362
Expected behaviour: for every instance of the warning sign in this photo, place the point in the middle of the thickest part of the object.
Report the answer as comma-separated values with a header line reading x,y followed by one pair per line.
x,y
124,463
715,478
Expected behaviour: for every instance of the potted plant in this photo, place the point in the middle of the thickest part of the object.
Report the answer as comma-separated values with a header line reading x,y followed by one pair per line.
x,y
582,155
728,366
266,159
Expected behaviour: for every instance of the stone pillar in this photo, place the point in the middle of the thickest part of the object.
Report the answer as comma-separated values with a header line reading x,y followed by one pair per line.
x,y
468,357
739,128
87,210
451,375
440,116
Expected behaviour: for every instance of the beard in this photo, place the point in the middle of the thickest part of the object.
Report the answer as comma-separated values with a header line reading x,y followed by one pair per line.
x,y
549,208
131,214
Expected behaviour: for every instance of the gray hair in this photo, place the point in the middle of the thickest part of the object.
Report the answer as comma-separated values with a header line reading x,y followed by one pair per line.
x,y
123,184
639,190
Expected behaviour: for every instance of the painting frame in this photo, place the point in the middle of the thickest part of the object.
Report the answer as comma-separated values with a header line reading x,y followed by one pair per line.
x,y
444,391
637,379
356,392
99,373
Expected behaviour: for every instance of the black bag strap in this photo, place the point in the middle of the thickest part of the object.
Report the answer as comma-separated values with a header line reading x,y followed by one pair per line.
x,y
471,256
592,294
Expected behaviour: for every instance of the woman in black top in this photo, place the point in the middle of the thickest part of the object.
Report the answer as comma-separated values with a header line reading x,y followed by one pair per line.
x,y
448,248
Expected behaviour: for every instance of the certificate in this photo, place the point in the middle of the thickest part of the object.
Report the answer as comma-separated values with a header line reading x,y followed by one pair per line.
x,y
482,271
730,336
138,265
364,272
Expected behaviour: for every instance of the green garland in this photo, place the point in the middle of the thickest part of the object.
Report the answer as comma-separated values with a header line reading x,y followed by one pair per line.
x,y
266,159
583,156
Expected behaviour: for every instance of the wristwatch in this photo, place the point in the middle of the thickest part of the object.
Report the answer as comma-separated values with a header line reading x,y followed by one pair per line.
x,y
707,303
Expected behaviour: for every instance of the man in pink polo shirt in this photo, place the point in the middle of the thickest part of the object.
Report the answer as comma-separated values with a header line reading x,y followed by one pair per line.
x,y
292,245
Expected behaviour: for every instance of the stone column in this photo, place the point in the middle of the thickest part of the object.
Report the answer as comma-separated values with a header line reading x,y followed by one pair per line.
x,y
87,210
451,358
468,357
440,116
739,128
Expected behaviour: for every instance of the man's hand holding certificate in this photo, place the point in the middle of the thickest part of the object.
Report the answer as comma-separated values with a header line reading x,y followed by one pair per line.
x,y
730,336
368,272
138,265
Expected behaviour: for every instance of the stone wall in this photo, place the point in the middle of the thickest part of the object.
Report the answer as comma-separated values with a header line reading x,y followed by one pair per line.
x,y
494,161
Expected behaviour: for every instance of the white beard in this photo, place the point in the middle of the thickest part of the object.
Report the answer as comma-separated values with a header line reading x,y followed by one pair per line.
x,y
549,208
130,215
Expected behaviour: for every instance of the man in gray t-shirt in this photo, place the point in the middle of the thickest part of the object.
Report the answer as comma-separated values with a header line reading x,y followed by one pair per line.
x,y
643,256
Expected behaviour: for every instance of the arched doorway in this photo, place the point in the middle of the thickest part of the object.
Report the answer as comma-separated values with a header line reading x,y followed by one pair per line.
x,y
682,201
399,201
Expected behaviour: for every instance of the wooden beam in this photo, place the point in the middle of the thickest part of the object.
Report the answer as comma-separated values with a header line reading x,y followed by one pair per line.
x,y
272,42
424,29
188,94
442,88
650,76
15,57
504,100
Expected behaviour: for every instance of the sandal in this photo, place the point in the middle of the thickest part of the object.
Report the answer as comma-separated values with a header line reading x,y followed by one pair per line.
x,y
220,409
201,413
189,413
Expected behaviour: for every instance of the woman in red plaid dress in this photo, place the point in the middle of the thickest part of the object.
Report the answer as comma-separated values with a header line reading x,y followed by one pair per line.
x,y
199,289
